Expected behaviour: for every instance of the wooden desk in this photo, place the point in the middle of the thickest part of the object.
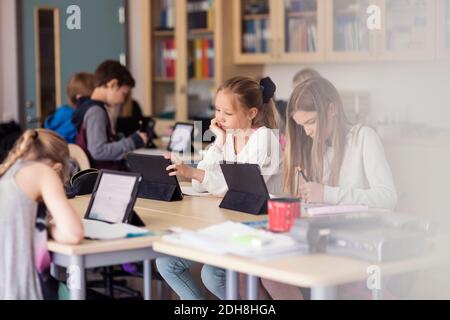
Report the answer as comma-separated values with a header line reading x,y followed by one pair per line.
x,y
94,254
197,208
191,213
320,272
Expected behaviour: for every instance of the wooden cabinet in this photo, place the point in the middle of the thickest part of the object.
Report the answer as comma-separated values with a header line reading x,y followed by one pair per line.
x,y
267,31
187,46
408,30
348,38
304,31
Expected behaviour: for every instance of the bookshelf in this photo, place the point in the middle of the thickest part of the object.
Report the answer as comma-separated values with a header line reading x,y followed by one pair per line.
x,y
253,23
408,30
443,29
303,30
187,56
347,35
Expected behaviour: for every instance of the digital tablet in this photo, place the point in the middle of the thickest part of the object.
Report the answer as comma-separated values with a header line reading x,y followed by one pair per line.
x,y
156,183
114,197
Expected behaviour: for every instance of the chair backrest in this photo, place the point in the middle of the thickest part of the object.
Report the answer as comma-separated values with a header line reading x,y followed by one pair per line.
x,y
79,156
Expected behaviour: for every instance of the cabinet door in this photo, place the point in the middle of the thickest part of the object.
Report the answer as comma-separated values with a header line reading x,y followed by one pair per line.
x,y
302,35
408,30
348,36
443,29
254,31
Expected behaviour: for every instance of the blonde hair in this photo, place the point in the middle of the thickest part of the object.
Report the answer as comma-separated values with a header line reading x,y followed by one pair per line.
x,y
80,84
249,94
305,74
316,94
38,145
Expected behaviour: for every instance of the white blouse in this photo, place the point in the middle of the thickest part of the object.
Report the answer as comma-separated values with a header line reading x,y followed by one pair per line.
x,y
365,176
263,148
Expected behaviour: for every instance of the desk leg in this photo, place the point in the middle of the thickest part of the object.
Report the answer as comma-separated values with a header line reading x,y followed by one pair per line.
x,y
147,280
77,278
252,287
324,293
231,285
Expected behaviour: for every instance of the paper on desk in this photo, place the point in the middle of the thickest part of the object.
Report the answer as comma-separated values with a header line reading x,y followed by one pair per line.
x,y
237,239
97,230
315,210
189,191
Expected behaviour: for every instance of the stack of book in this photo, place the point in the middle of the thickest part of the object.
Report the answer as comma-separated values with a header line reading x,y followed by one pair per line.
x,y
167,14
256,34
302,36
201,59
200,14
351,34
165,57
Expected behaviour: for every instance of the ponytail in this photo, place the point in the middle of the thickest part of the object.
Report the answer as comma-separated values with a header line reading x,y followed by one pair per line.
x,y
38,145
20,150
251,94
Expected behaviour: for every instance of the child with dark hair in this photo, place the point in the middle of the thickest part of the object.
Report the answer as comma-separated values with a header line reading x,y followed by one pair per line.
x,y
113,83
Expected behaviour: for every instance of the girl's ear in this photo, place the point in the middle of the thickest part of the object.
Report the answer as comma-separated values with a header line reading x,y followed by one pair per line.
x,y
253,113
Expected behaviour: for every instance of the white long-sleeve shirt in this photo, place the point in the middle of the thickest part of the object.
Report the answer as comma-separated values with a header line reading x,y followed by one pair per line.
x,y
365,176
263,148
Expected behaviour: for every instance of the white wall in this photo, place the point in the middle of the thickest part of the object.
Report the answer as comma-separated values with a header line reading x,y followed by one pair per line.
x,y
418,92
9,95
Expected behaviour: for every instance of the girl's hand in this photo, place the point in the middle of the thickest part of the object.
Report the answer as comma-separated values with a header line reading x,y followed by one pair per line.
x,y
312,192
220,133
184,171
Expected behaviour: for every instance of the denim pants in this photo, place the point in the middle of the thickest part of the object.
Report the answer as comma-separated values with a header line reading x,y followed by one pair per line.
x,y
176,272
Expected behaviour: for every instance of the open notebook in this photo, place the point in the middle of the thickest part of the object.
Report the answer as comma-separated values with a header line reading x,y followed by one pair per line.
x,y
237,239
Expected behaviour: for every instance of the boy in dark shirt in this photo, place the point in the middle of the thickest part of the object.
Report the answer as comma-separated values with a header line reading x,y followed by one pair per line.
x,y
112,85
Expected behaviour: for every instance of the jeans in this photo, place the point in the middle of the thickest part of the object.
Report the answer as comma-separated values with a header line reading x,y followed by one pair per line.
x,y
215,280
176,272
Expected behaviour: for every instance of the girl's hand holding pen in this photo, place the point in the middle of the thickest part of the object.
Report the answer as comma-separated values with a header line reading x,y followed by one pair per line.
x,y
311,192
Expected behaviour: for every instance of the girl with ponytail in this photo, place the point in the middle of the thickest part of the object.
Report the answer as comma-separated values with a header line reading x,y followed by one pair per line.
x,y
31,180
246,130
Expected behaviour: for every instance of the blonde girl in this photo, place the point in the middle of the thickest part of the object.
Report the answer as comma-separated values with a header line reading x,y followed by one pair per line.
x,y
31,181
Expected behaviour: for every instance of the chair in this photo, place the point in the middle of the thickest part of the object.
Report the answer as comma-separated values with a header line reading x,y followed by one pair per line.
x,y
79,156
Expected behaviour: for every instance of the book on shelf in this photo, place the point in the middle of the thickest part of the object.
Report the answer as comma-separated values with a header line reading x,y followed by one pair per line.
x,y
350,34
165,59
201,59
167,21
256,35
302,36
301,5
200,15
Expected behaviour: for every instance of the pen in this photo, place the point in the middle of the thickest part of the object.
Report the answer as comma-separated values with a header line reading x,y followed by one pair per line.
x,y
299,172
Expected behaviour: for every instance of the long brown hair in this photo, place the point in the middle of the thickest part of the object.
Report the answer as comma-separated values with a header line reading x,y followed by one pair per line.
x,y
38,145
250,93
316,94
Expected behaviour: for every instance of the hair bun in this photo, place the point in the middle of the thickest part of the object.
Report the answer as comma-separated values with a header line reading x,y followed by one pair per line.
x,y
268,89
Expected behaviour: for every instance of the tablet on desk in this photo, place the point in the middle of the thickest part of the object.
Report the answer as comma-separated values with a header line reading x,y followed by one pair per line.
x,y
156,183
247,190
114,197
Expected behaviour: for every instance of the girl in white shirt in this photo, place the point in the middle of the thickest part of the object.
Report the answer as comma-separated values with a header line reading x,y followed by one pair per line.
x,y
244,126
345,164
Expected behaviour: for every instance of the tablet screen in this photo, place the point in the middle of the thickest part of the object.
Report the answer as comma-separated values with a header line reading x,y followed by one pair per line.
x,y
112,198
181,138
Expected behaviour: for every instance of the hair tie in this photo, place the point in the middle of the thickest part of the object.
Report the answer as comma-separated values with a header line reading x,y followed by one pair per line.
x,y
268,89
